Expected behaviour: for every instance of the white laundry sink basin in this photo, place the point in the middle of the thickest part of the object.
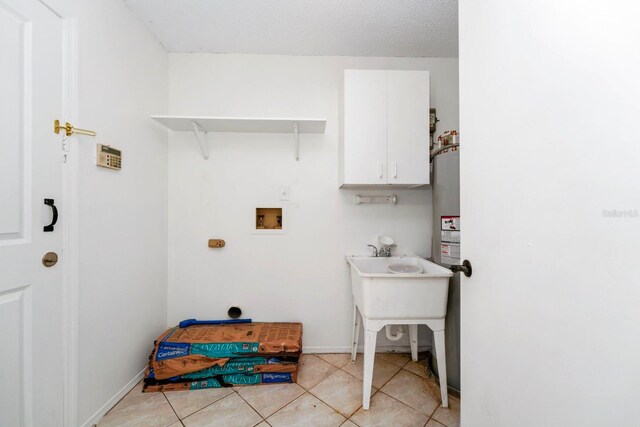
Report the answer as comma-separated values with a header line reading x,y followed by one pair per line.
x,y
407,287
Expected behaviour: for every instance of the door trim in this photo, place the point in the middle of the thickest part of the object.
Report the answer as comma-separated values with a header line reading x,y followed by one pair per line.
x,y
70,225
70,100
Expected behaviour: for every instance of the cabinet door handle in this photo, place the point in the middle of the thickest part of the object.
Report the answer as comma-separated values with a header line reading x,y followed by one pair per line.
x,y
395,169
380,170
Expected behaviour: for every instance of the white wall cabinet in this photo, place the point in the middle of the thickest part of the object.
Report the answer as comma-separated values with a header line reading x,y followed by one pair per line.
x,y
385,128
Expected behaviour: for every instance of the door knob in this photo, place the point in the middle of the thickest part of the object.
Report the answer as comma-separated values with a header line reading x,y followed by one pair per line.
x,y
50,259
465,268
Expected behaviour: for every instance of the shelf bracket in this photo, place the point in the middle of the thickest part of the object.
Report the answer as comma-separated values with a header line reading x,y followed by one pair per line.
x,y
296,140
201,136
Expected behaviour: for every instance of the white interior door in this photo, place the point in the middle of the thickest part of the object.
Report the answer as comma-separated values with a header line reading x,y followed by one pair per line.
x,y
550,204
31,347
408,128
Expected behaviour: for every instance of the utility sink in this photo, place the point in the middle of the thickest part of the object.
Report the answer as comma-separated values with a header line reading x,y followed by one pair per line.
x,y
407,287
406,290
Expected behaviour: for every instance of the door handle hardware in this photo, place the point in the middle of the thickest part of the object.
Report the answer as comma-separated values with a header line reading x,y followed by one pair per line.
x,y
50,259
380,170
54,220
395,169
70,130
465,268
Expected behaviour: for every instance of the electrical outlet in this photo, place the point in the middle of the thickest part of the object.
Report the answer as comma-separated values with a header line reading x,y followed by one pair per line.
x,y
284,193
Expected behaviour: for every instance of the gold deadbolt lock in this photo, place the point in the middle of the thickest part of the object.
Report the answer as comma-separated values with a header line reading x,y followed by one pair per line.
x,y
50,259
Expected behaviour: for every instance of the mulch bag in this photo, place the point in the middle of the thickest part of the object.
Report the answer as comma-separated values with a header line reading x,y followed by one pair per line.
x,y
220,381
241,365
179,351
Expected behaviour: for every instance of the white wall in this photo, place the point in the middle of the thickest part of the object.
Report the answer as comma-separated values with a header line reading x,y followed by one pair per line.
x,y
549,123
122,214
301,276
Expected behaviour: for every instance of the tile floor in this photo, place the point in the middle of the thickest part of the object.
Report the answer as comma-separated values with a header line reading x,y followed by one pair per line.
x,y
328,394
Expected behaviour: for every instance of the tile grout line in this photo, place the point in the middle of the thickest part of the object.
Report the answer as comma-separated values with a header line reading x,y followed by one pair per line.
x,y
413,409
254,409
332,408
348,418
404,364
402,403
218,400
172,408
322,360
437,407
431,416
295,398
332,364
305,390
318,397
438,423
434,412
375,390
392,377
205,406
439,400
354,412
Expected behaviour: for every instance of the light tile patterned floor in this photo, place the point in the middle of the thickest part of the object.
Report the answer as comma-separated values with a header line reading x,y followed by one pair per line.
x,y
328,394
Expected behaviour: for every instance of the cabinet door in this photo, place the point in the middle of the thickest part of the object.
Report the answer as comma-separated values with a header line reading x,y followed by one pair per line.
x,y
365,127
408,127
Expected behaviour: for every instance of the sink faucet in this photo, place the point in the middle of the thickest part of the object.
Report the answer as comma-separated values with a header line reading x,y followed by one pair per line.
x,y
384,251
375,250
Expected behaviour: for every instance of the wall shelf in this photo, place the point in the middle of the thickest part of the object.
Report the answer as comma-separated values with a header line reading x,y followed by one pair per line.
x,y
201,126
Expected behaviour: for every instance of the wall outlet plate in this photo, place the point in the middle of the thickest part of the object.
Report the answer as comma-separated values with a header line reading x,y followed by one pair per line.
x,y
285,193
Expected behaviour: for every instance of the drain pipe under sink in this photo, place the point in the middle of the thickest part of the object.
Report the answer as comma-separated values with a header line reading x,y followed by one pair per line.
x,y
399,333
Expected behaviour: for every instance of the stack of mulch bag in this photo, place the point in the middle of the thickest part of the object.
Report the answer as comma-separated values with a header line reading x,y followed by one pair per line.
x,y
212,354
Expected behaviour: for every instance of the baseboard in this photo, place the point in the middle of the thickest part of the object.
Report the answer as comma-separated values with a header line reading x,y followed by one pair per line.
x,y
347,349
112,402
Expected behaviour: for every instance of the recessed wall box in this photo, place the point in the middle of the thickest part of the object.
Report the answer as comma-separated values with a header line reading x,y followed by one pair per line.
x,y
270,220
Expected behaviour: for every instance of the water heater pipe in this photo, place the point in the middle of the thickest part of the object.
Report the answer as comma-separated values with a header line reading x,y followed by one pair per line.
x,y
441,149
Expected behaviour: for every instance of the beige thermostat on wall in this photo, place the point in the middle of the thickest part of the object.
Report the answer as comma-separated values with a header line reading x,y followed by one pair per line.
x,y
109,157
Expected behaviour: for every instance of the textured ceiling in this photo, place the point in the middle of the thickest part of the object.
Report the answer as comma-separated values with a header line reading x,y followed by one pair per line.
x,y
304,27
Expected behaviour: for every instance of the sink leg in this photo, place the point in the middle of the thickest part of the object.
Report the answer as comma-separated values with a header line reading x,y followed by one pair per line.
x,y
413,340
442,366
356,333
369,355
